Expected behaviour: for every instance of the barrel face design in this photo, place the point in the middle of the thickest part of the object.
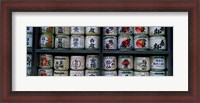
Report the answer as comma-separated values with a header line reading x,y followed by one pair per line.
x,y
141,30
155,31
45,72
91,72
125,42
125,30
46,41
135,73
62,42
157,43
77,42
46,30
110,42
92,42
125,73
157,73
62,30
141,42
92,61
110,31
60,73
157,63
29,61
29,40
46,61
109,73
110,63
76,73
77,62
61,62
142,64
29,30
28,71
77,30
92,30
125,62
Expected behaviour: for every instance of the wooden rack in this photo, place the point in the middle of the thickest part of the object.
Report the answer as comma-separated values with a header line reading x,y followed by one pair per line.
x,y
35,51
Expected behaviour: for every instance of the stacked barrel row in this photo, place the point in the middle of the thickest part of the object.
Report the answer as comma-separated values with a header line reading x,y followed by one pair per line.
x,y
137,38
145,38
70,37
128,65
139,66
60,65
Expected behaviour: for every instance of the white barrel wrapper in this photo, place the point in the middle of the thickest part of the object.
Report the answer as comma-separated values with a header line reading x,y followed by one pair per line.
x,y
29,40
125,73
142,64
110,63
109,73
92,42
110,42
91,72
157,63
77,42
92,61
135,73
125,42
125,62
92,30
62,30
77,30
157,43
76,73
61,62
157,73
156,30
110,30
60,73
141,30
77,62
62,42
46,61
125,30
45,72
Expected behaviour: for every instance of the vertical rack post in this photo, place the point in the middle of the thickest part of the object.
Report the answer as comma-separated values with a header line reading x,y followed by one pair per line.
x,y
101,51
35,46
169,33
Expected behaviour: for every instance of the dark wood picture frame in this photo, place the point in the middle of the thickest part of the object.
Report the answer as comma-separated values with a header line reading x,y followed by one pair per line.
x,y
9,6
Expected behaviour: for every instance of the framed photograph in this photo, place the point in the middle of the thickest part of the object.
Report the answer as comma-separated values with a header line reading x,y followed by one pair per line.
x,y
100,51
